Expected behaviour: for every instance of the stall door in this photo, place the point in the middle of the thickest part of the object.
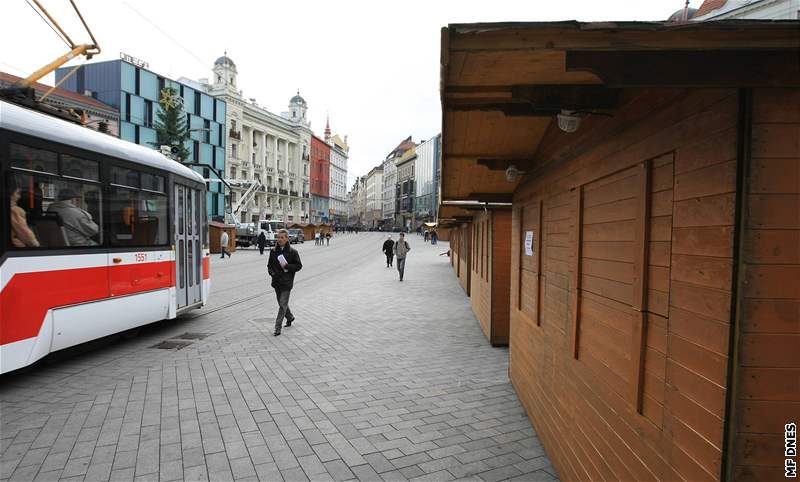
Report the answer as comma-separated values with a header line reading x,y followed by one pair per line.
x,y
188,255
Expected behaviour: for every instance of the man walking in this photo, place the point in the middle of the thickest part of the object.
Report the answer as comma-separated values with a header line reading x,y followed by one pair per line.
x,y
223,244
262,242
388,250
401,249
284,262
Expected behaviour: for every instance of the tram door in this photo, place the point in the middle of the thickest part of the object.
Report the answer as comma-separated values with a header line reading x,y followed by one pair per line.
x,y
188,252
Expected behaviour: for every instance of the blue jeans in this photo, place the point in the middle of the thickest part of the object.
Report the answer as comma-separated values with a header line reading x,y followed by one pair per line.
x,y
401,266
283,309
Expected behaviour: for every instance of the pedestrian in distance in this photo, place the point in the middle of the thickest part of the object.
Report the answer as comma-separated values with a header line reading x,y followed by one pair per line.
x,y
388,250
316,238
328,238
224,239
284,262
262,242
434,237
401,249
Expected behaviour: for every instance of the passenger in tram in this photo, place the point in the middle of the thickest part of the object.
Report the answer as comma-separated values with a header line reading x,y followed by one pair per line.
x,y
22,236
79,225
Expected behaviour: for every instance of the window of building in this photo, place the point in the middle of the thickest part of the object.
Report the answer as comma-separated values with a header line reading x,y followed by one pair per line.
x,y
234,149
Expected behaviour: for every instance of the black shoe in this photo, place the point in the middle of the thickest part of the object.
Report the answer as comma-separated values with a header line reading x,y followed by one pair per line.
x,y
277,333
289,322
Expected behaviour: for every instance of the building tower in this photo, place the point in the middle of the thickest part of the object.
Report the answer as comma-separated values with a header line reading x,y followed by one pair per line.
x,y
297,108
225,72
328,129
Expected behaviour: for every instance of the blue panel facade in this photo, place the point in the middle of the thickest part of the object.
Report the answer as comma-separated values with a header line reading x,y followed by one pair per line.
x,y
135,92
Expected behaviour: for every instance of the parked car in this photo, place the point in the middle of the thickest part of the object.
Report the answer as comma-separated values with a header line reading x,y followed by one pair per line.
x,y
296,236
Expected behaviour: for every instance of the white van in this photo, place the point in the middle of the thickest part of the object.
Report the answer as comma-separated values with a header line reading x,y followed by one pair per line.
x,y
247,233
270,229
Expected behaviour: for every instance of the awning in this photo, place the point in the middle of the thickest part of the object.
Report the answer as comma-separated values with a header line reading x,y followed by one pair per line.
x,y
503,84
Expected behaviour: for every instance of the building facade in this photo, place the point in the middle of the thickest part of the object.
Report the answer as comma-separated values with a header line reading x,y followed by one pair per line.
x,y
426,180
320,180
373,198
338,176
100,116
268,154
135,91
405,193
356,203
390,182
750,10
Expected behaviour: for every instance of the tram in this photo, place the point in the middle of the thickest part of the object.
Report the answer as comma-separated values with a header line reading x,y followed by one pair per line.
x,y
98,236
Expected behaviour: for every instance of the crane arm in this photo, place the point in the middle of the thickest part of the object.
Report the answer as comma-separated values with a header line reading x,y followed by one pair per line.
x,y
84,49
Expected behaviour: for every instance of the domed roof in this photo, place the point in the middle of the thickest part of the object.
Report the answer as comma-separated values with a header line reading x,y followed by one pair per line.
x,y
678,16
297,99
226,61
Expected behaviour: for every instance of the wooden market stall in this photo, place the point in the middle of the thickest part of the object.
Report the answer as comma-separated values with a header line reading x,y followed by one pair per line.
x,y
308,230
486,266
215,230
654,171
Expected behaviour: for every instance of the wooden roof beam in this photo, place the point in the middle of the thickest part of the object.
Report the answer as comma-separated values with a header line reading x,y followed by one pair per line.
x,y
492,197
540,100
746,68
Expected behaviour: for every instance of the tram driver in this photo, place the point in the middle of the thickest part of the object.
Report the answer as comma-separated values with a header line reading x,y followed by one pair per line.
x,y
78,223
22,236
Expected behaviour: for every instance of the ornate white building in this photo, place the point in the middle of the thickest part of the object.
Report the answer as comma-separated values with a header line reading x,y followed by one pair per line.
x,y
338,176
268,154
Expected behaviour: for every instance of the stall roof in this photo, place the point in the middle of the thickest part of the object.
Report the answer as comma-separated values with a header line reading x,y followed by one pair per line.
x,y
502,84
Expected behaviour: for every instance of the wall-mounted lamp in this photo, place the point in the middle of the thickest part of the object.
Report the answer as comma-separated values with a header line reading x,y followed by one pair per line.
x,y
513,173
568,120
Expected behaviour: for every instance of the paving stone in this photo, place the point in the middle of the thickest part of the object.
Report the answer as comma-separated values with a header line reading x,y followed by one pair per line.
x,y
500,473
338,470
411,472
380,463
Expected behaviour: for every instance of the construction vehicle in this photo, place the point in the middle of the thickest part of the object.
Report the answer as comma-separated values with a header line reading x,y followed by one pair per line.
x,y
247,233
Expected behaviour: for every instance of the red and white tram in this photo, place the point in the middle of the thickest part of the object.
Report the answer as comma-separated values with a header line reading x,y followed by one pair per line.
x,y
99,236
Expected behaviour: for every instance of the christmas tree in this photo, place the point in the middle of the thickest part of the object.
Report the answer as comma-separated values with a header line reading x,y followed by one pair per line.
x,y
171,129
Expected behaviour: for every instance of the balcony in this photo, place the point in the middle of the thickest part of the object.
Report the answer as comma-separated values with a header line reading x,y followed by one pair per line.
x,y
273,190
292,175
293,193
306,195
235,134
283,191
270,169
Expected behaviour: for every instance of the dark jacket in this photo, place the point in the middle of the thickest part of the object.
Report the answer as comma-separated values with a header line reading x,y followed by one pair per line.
x,y
262,239
388,247
283,280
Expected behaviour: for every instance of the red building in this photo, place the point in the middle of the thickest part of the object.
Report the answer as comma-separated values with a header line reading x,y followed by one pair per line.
x,y
320,180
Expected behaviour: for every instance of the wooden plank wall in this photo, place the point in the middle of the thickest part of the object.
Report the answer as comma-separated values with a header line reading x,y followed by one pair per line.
x,y
620,321
480,284
768,370
500,272
464,257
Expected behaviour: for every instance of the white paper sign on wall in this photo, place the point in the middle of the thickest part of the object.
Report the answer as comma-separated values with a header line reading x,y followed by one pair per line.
x,y
529,243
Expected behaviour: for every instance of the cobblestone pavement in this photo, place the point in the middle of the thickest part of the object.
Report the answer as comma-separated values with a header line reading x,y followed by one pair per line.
x,y
377,380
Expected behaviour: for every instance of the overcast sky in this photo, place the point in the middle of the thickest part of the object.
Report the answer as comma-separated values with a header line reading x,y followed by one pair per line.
x,y
374,66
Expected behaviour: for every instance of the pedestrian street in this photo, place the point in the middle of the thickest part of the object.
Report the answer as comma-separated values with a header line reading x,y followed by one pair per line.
x,y
375,380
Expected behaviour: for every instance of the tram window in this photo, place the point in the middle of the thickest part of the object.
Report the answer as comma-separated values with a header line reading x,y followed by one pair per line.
x,y
78,168
33,159
152,182
121,176
59,213
137,218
